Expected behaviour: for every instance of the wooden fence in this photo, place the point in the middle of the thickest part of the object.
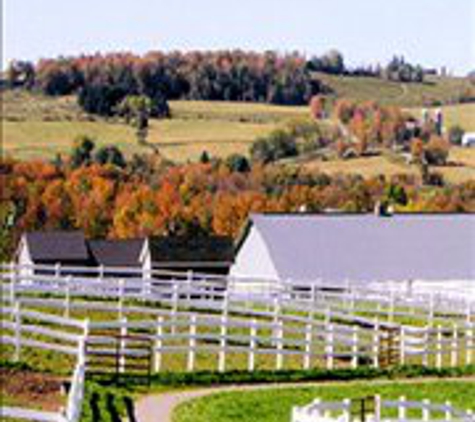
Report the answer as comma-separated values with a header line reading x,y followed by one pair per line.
x,y
374,409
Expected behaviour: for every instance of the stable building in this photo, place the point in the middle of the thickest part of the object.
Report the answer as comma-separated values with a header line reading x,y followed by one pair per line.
x,y
337,249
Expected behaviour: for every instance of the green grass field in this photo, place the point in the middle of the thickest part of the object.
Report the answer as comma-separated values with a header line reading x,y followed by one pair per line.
x,y
274,405
461,167
394,93
37,127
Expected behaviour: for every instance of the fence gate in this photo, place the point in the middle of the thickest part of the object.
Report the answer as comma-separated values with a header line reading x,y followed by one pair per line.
x,y
389,347
108,352
362,409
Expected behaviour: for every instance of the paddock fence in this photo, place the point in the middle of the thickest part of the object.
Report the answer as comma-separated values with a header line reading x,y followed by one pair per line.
x,y
375,409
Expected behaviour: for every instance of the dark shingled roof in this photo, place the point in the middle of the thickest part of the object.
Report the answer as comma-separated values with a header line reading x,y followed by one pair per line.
x,y
368,247
197,249
117,253
57,246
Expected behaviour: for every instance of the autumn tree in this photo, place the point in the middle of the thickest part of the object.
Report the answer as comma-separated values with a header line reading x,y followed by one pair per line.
x,y
317,107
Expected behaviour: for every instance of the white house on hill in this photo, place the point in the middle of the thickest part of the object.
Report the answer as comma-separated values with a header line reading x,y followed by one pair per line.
x,y
342,248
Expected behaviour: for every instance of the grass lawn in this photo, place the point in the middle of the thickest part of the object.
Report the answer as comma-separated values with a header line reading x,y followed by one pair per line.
x,y
274,405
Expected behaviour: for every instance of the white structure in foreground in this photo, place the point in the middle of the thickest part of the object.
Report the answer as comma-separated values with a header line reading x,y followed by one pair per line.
x,y
374,409
343,249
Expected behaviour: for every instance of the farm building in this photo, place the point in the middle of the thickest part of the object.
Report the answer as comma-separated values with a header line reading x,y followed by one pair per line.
x,y
212,255
71,249
201,254
342,248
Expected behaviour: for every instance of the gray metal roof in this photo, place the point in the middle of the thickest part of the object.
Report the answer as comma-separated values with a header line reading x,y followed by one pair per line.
x,y
368,247
57,246
117,253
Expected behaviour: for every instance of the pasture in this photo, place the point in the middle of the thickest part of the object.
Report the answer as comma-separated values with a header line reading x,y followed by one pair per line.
x,y
36,126
359,88
460,169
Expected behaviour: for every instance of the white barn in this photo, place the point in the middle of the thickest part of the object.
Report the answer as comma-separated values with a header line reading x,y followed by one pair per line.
x,y
341,248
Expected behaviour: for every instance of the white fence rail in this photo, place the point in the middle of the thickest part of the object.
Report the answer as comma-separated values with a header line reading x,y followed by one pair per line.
x,y
288,324
374,409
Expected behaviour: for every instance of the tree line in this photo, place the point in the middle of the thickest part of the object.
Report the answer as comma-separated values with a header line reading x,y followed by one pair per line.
x,y
107,197
103,81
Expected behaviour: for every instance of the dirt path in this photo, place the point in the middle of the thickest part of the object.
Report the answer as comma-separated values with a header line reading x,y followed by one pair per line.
x,y
159,407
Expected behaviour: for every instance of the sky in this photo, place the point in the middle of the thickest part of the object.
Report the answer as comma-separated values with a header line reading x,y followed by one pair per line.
x,y
434,33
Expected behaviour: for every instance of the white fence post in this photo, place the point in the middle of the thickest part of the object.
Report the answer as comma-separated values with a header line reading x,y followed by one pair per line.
x,y
12,283
252,346
401,408
192,344
347,410
308,346
425,410
439,356
354,346
123,344
175,298
329,346
222,343
120,304
469,344
448,411
402,346
426,346
157,364
67,296
375,338
17,321
454,346
280,345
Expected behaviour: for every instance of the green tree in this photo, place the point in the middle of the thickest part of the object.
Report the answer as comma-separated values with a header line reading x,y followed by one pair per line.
x,y
238,163
110,154
455,135
81,153
136,110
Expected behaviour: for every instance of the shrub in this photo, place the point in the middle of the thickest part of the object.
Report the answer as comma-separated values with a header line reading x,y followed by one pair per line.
x,y
436,151
455,135
81,153
110,155
238,163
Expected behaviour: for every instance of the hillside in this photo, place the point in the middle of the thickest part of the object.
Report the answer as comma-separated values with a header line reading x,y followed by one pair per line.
x,y
434,89
36,126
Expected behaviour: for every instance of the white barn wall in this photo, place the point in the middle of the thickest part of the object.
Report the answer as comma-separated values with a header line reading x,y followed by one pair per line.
x,y
253,265
24,258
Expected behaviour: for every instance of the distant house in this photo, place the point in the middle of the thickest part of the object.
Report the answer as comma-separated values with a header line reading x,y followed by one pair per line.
x,y
468,139
201,254
337,249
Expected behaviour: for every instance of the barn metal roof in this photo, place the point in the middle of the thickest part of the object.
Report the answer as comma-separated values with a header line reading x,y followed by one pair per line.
x,y
369,247
57,246
117,253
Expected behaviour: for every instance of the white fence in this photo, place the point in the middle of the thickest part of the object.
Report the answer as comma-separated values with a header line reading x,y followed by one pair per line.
x,y
59,334
212,319
373,409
